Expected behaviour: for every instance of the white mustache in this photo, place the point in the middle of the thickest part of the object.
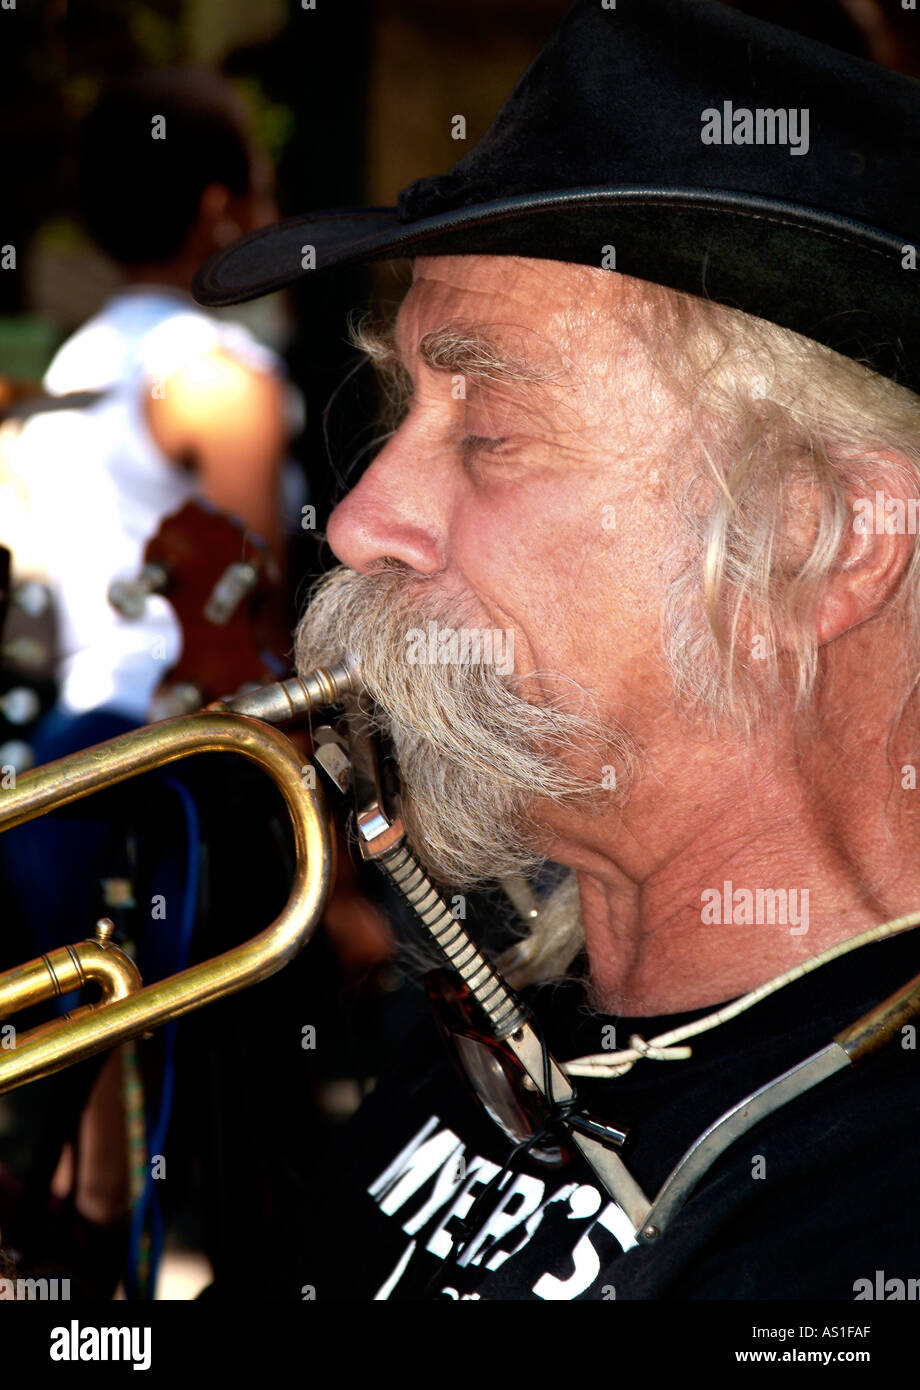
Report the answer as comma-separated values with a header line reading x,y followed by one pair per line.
x,y
475,757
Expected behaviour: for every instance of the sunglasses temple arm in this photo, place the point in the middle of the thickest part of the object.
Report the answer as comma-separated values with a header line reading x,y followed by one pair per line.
x,y
607,1165
506,1015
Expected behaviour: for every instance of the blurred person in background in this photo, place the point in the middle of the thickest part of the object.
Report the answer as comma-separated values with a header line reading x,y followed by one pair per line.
x,y
157,402
182,404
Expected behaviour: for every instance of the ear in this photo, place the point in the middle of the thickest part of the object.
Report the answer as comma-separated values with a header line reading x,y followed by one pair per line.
x,y
214,201
875,550
214,214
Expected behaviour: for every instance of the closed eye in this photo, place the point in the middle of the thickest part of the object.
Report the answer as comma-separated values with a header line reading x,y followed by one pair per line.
x,y
480,443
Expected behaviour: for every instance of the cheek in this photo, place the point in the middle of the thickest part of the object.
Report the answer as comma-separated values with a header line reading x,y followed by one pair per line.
x,y
536,555
577,573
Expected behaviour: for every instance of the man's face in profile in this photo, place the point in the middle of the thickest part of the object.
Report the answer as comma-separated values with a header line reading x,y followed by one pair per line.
x,y
506,481
520,492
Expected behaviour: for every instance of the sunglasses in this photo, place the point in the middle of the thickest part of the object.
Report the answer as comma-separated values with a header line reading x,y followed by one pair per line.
x,y
534,1122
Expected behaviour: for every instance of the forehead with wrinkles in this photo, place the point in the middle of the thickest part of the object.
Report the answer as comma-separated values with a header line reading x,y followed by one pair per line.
x,y
538,327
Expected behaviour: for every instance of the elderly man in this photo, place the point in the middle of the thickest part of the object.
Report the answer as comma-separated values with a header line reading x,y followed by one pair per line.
x,y
660,435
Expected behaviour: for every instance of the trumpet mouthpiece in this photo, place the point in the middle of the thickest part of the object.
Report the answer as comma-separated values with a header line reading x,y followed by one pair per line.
x,y
289,699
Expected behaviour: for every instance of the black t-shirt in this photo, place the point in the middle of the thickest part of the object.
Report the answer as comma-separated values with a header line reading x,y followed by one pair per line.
x,y
816,1198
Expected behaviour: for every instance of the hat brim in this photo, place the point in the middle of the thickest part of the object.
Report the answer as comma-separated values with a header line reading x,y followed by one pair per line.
x,y
834,280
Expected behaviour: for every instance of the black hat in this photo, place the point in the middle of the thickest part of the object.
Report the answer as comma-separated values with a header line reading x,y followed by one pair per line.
x,y
678,141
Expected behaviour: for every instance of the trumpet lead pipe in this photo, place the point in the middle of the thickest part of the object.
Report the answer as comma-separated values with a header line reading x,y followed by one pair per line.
x,y
289,699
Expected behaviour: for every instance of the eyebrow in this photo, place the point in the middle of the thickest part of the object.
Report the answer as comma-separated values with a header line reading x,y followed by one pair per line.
x,y
471,351
453,347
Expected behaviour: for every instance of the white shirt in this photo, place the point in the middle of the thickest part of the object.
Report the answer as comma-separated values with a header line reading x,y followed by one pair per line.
x,y
84,490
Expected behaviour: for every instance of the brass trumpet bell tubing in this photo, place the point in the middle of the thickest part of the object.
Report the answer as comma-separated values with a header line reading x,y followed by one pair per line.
x,y
93,1029
66,969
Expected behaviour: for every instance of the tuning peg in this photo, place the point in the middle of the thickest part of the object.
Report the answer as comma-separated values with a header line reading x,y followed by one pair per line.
x,y
25,651
16,754
129,596
237,581
32,597
182,698
20,705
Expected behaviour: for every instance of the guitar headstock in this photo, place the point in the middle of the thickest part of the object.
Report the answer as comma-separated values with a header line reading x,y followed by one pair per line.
x,y
224,586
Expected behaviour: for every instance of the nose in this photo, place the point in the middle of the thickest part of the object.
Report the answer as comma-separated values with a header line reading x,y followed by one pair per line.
x,y
397,511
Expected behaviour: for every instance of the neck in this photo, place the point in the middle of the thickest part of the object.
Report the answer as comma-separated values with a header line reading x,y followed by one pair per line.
x,y
731,864
172,275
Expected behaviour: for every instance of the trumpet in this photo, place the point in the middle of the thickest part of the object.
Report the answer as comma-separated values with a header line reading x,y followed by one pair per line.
x,y
126,1007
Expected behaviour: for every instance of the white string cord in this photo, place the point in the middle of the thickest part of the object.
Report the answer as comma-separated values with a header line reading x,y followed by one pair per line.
x,y
664,1049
